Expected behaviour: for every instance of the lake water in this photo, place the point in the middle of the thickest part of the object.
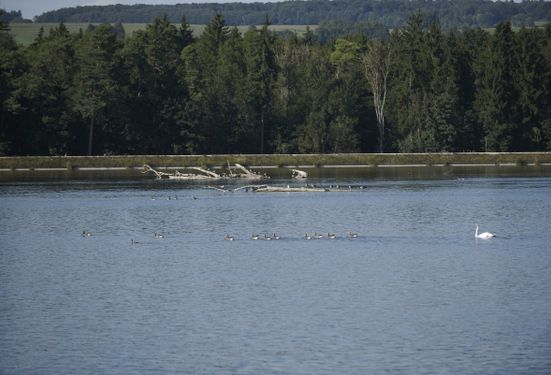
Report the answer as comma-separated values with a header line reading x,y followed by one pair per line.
x,y
415,293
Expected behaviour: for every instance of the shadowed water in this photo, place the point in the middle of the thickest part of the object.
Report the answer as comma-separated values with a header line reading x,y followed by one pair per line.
x,y
414,294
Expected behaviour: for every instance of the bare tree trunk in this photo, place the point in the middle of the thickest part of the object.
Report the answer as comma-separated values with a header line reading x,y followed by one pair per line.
x,y
262,132
376,64
91,134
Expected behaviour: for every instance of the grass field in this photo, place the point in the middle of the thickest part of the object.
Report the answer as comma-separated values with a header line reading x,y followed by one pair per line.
x,y
25,33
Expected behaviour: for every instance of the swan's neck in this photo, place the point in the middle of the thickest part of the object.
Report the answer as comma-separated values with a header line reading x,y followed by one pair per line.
x,y
476,231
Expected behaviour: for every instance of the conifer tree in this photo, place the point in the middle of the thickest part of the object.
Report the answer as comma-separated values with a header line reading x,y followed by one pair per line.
x,y
94,86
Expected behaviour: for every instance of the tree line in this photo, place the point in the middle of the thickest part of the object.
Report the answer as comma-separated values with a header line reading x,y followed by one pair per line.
x,y
391,13
165,91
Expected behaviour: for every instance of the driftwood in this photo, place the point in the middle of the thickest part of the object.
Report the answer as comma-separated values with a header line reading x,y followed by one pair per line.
x,y
246,174
288,189
250,187
220,189
206,174
298,174
179,176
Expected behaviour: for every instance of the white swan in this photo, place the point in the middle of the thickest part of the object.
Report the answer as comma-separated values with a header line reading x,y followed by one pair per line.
x,y
483,235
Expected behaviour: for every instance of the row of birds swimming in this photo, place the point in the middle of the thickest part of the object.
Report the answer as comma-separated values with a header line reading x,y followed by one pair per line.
x,y
274,236
315,236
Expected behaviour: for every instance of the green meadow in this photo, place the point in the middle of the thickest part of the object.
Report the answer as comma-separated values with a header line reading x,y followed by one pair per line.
x,y
25,33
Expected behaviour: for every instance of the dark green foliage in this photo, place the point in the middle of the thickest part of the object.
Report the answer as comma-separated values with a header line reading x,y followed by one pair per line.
x,y
12,16
94,89
496,101
162,91
451,14
11,68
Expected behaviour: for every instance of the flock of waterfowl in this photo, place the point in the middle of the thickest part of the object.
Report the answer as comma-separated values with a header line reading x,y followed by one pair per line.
x,y
274,236
314,236
332,236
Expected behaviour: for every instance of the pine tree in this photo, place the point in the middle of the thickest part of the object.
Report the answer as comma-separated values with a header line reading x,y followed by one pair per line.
x,y
94,86
531,79
44,92
261,75
496,96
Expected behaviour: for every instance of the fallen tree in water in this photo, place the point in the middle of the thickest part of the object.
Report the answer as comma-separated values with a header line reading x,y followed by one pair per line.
x,y
245,174
177,175
272,189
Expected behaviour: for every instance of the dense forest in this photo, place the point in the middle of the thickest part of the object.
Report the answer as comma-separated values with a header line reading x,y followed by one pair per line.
x,y
391,13
12,16
165,91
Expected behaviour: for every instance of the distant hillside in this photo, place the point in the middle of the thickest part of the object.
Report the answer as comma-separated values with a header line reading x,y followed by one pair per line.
x,y
392,13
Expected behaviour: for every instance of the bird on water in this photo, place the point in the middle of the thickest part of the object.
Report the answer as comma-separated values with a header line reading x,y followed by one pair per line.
x,y
483,235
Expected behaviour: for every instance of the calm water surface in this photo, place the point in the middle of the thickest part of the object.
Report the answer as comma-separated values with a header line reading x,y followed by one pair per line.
x,y
414,294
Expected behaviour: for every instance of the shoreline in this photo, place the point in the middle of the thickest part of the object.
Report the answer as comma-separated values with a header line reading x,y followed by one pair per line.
x,y
21,168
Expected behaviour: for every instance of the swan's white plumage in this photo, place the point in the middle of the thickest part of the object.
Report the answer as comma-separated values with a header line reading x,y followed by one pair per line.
x,y
483,235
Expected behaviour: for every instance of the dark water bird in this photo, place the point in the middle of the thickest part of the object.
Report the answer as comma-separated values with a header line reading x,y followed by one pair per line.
x,y
352,235
158,236
331,236
307,236
227,237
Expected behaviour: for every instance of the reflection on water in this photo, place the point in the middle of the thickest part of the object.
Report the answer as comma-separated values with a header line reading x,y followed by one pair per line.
x,y
384,173
414,294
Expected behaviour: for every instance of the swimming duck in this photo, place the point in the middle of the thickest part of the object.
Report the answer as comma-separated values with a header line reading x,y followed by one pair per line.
x,y
352,235
331,236
227,237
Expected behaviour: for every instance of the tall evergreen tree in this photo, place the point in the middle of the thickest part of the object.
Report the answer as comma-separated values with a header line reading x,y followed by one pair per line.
x,y
152,57
94,86
261,76
11,67
496,97
532,79
43,91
